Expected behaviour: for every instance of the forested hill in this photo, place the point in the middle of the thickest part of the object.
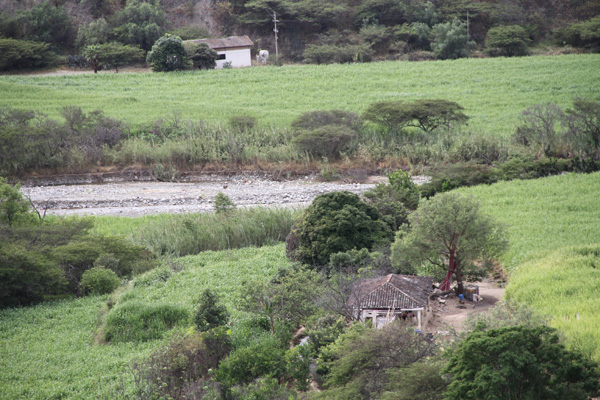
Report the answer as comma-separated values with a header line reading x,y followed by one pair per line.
x,y
318,31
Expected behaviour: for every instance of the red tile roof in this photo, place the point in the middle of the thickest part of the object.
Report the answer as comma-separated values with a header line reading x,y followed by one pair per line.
x,y
225,43
392,292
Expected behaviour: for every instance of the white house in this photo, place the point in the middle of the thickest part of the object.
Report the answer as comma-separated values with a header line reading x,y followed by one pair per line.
x,y
384,299
234,50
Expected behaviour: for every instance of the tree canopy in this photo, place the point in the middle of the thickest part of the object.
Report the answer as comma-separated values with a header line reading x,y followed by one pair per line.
x,y
520,362
450,232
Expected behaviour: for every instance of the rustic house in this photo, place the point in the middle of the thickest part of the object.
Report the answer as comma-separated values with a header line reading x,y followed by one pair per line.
x,y
387,298
233,50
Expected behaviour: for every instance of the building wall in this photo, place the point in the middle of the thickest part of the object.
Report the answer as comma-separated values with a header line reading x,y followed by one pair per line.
x,y
238,58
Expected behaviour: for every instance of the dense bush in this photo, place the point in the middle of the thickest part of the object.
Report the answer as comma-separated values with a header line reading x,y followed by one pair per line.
x,y
508,40
17,54
242,123
139,322
139,23
210,312
201,56
99,280
167,54
315,119
327,141
582,34
47,22
337,222
112,55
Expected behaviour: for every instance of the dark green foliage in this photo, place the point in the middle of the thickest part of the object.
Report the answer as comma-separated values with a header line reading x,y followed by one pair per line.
x,y
520,362
96,32
327,141
167,54
267,388
416,35
450,40
451,233
18,54
99,280
202,56
49,23
329,53
452,176
182,368
210,312
359,363
427,115
582,34
324,330
337,222
139,322
139,23
263,357
507,40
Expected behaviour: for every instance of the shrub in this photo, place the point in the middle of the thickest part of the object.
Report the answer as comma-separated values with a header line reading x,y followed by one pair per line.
x,y
315,119
267,388
542,128
139,322
337,222
210,312
223,205
190,32
242,123
327,141
450,40
167,54
584,126
139,23
508,40
389,202
202,56
99,280
182,368
582,34
154,277
17,54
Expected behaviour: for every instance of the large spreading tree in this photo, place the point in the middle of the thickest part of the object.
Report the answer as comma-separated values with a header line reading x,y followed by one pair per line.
x,y
450,231
520,362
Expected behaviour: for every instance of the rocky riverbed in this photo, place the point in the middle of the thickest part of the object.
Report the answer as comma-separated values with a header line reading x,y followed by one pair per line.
x,y
152,197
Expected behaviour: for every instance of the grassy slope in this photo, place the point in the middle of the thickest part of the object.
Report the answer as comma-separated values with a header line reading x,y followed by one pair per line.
x,y
493,91
46,351
554,257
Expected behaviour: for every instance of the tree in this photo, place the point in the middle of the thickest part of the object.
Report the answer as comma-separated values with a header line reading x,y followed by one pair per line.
x,y
291,299
16,54
451,40
507,40
99,280
12,204
427,115
357,364
337,222
48,23
450,232
584,125
202,56
583,34
139,23
210,313
167,54
112,54
520,362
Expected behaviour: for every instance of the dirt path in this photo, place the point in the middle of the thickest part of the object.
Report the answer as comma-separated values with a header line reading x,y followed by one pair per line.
x,y
449,314
143,198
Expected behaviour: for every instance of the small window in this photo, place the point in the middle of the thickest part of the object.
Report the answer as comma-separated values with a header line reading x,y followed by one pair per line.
x,y
221,57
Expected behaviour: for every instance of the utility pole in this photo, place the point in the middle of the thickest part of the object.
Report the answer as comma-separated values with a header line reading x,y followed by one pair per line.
x,y
276,32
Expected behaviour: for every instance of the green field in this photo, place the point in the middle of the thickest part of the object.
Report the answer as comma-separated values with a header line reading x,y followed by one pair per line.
x,y
554,255
493,91
46,351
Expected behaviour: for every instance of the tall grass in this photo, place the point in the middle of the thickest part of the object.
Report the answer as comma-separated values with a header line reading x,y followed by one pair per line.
x,y
47,351
180,235
493,91
554,254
